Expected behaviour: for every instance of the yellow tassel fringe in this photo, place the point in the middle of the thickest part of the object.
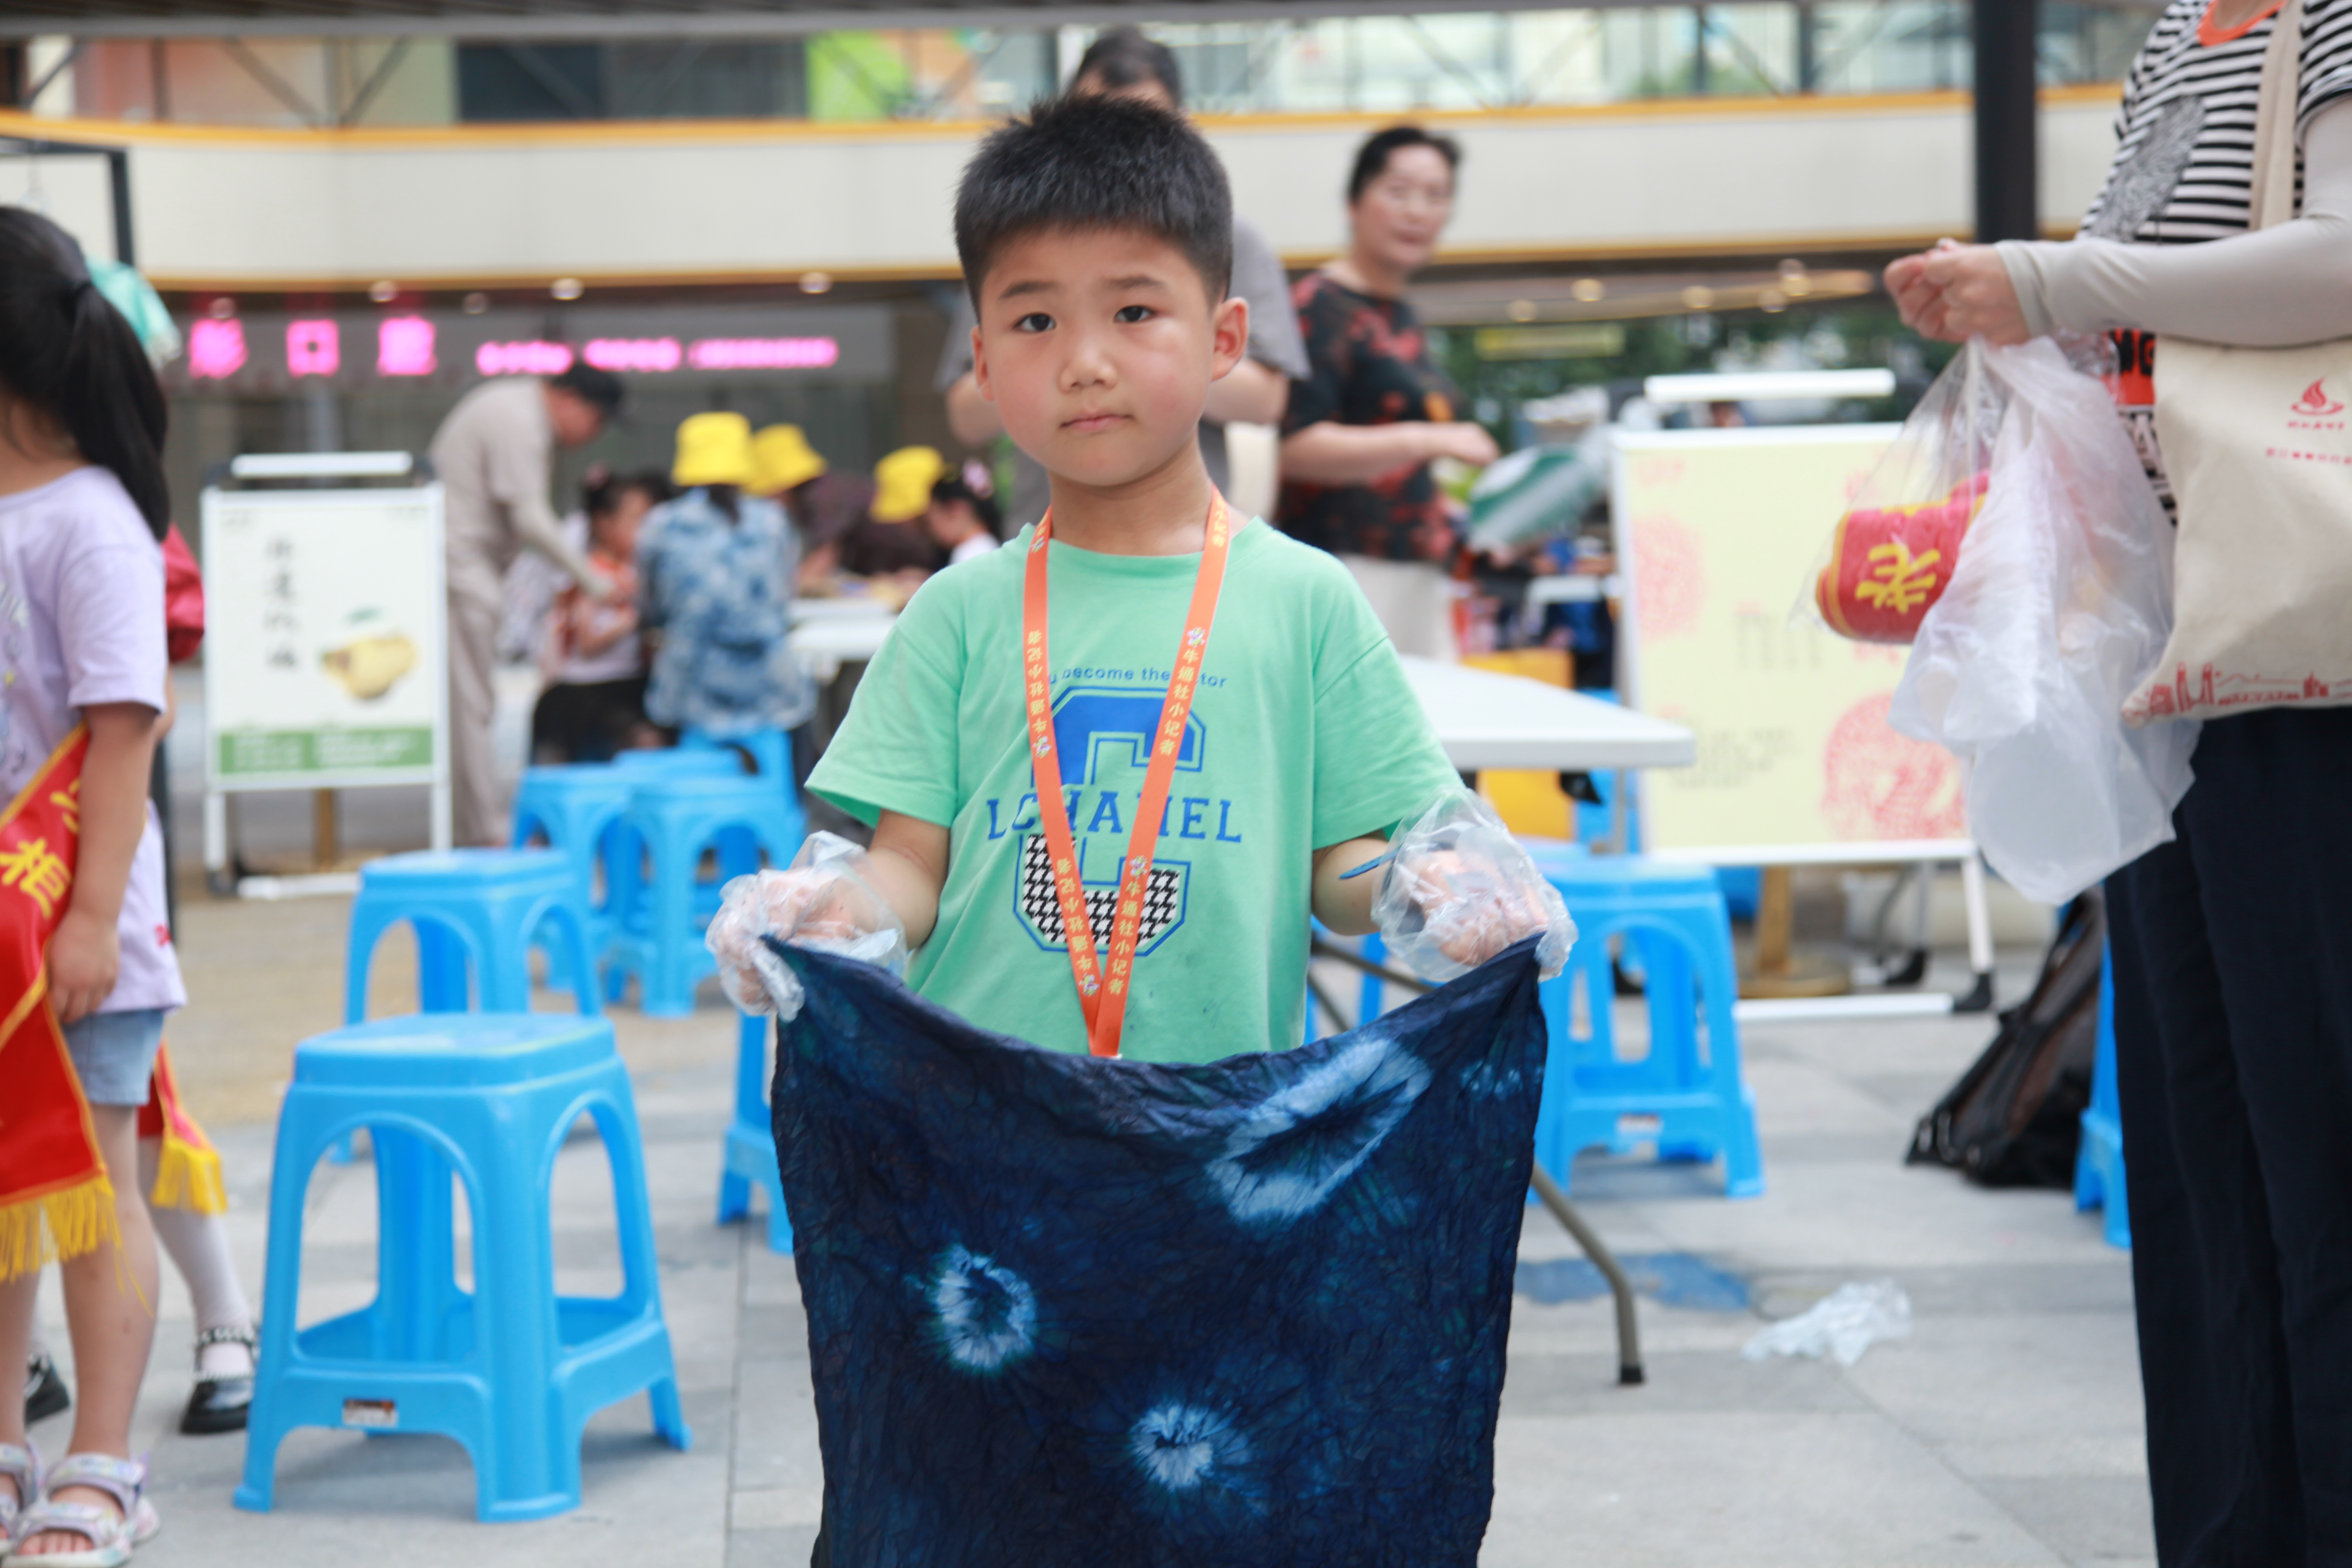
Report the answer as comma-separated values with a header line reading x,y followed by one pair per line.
x,y
55,1226
187,1177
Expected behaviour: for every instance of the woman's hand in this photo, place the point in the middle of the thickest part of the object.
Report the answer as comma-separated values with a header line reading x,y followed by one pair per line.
x,y
1955,292
1462,441
85,955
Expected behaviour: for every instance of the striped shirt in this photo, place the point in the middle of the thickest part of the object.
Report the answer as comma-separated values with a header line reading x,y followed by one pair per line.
x,y
2183,170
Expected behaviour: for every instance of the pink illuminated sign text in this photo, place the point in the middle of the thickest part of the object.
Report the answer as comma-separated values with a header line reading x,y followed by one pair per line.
x,y
215,347
403,346
763,353
313,348
536,358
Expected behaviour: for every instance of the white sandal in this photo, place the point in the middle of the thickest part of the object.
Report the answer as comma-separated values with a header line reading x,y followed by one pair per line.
x,y
111,1535
21,1466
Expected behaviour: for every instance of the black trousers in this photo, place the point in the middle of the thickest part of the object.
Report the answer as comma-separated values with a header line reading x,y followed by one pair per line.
x,y
2233,1033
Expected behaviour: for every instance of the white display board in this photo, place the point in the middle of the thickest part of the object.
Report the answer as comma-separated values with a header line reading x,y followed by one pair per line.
x,y
325,647
1797,763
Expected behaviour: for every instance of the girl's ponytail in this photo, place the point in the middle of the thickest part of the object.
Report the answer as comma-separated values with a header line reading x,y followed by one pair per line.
x,y
67,352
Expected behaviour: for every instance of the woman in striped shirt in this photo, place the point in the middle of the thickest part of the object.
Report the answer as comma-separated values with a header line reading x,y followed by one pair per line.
x,y
2232,945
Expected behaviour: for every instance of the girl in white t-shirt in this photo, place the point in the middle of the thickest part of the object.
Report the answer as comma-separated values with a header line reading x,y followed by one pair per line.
x,y
82,513
963,520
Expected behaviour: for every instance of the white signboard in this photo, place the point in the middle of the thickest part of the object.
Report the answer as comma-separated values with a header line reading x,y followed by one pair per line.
x,y
324,644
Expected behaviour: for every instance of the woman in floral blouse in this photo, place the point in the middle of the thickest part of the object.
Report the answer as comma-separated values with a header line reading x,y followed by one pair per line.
x,y
1375,410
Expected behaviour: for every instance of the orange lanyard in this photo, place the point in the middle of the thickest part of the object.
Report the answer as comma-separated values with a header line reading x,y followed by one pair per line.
x,y
1103,998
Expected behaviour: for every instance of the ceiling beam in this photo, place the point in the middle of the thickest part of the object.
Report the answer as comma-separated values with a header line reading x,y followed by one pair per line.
x,y
484,19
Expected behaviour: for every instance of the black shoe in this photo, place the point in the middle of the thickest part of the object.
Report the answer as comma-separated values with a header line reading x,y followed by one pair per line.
x,y
219,1403
45,1392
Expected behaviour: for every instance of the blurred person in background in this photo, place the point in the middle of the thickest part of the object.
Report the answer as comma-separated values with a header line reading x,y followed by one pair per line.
x,y
1374,412
821,505
1124,63
715,570
2234,996
963,519
594,704
890,547
493,454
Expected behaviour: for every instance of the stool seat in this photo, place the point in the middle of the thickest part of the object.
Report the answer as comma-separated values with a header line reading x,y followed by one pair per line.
x,y
511,1369
1624,875
771,751
1686,1095
505,868
679,760
454,1050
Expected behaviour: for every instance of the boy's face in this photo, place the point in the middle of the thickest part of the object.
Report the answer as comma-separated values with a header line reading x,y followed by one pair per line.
x,y
1097,348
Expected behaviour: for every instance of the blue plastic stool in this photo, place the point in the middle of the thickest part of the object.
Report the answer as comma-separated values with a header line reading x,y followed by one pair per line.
x,y
475,912
511,1369
573,807
749,1160
1686,1095
2099,1166
771,751
670,823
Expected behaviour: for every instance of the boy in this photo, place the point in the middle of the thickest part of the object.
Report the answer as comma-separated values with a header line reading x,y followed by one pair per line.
x,y
1220,719
1095,239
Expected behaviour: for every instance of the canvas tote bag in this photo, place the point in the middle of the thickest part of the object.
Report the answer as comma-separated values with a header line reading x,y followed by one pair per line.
x,y
2258,445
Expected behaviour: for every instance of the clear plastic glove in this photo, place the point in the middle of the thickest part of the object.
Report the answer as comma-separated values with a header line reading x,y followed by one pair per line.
x,y
1460,890
826,900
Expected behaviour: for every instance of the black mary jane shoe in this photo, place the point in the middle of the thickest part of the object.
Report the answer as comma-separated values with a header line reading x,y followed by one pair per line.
x,y
45,1394
219,1403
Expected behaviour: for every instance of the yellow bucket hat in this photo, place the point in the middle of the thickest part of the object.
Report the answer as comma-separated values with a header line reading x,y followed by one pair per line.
x,y
713,449
902,484
782,459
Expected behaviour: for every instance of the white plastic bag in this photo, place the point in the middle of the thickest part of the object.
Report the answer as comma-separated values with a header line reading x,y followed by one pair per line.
x,y
1843,1324
1460,890
2057,610
826,900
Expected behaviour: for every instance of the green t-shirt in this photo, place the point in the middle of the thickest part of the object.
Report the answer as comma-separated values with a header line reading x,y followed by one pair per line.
x,y
1303,733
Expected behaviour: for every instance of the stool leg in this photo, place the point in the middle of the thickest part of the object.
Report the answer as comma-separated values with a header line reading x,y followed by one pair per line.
x,y
441,978
1743,1158
572,932
750,1109
666,987
290,1180
640,1280
527,1468
417,1248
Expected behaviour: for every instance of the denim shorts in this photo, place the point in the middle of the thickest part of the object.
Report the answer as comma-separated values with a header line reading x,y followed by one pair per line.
x,y
114,1053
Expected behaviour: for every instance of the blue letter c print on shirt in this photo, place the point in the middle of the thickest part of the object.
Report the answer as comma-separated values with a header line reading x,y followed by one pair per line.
x,y
1107,733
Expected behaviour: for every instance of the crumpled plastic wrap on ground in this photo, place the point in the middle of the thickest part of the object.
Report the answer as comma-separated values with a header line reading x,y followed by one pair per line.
x,y
1845,1323
1071,1310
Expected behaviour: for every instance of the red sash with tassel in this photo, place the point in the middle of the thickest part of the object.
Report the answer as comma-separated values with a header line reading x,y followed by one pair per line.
x,y
54,1200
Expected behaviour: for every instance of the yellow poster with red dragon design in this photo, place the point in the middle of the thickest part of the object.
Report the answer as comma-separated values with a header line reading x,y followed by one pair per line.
x,y
1720,531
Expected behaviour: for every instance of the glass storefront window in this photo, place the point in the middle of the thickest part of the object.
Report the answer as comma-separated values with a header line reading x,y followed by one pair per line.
x,y
1384,64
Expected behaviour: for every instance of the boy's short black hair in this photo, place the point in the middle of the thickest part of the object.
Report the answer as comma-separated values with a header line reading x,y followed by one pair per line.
x,y
1124,57
1372,157
1087,162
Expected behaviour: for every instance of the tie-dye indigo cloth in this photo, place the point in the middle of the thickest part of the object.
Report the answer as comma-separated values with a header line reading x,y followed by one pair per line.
x,y
1065,1311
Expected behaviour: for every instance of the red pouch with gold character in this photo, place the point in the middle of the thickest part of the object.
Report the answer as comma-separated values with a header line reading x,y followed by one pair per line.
x,y
1892,553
